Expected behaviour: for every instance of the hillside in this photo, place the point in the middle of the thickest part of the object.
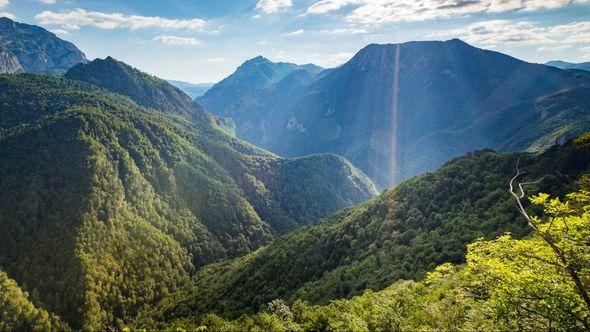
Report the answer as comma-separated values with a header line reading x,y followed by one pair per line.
x,y
32,49
257,76
444,94
404,233
148,91
569,65
19,314
140,198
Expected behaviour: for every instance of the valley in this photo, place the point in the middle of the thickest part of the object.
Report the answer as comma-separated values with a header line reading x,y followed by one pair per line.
x,y
423,185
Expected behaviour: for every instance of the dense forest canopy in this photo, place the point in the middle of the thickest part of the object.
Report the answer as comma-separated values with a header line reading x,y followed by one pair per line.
x,y
139,199
403,234
125,205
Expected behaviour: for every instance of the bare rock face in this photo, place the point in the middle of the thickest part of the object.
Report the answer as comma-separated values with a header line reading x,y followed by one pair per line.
x,y
9,63
32,49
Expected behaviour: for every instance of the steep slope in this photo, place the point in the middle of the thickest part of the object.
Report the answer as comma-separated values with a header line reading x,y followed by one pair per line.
x,y
9,63
19,314
569,65
108,206
252,78
148,91
32,49
402,234
399,110
193,90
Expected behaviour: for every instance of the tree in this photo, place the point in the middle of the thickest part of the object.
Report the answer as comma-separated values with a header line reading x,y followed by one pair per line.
x,y
539,282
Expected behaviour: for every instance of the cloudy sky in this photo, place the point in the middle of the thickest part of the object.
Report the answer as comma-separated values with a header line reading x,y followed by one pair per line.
x,y
205,40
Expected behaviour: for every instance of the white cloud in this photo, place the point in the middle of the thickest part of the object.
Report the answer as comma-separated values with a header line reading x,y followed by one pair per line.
x,y
48,2
296,32
60,32
273,6
553,48
347,31
9,15
77,18
333,60
177,41
4,3
325,6
492,33
385,11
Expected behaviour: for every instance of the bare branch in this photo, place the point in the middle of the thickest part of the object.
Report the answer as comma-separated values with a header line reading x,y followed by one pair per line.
x,y
567,265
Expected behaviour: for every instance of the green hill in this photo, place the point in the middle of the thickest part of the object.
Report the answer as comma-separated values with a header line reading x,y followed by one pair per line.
x,y
404,233
108,206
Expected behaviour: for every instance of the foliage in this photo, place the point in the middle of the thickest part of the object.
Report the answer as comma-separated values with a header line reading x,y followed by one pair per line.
x,y
402,234
507,284
17,313
541,282
108,207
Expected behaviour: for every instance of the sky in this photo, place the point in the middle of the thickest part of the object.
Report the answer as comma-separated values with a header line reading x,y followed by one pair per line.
x,y
205,40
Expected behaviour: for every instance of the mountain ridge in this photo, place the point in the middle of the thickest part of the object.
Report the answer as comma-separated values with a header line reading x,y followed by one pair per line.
x,y
173,188
443,87
406,231
37,50
569,65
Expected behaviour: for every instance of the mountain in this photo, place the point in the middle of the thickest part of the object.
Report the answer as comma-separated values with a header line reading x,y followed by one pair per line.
x,y
569,65
148,91
402,234
116,187
32,49
399,110
191,89
253,77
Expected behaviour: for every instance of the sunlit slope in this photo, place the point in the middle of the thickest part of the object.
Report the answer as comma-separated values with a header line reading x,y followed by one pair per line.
x,y
108,207
404,233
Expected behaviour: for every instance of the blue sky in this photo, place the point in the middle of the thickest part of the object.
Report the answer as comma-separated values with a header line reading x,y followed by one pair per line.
x,y
204,41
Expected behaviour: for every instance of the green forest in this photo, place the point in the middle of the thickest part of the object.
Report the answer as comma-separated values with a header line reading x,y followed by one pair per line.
x,y
126,207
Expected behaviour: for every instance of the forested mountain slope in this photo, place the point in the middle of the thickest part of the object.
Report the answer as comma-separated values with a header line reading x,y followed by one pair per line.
x,y
404,233
108,206
32,49
398,110
146,90
19,314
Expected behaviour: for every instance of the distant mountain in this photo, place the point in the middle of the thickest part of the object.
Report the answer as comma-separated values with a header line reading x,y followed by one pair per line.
x,y
116,187
404,233
191,89
234,94
569,65
32,49
399,110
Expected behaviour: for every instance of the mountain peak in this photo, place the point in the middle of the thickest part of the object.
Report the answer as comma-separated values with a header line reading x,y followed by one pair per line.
x,y
146,90
5,21
258,59
37,50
